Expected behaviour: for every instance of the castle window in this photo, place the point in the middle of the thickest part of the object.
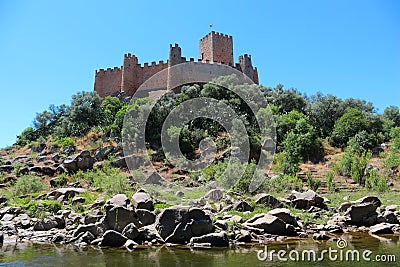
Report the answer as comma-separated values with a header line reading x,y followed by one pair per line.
x,y
202,55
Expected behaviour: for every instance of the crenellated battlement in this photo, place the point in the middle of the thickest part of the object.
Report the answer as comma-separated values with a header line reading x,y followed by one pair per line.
x,y
215,48
217,35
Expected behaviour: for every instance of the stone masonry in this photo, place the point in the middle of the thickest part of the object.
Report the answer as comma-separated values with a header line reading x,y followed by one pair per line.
x,y
214,48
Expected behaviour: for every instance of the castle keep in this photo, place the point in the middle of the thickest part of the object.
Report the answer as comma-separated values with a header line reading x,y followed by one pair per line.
x,y
215,48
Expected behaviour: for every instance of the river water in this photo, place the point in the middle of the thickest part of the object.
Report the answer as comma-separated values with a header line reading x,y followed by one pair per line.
x,y
294,251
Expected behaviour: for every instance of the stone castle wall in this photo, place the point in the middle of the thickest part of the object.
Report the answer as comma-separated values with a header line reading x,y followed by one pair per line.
x,y
214,48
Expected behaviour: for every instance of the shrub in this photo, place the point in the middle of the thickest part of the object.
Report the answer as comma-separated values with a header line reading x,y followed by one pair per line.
x,y
38,209
312,184
329,180
375,182
28,184
353,164
282,183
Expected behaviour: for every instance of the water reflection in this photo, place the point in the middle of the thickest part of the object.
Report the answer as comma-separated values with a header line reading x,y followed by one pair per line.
x,y
28,254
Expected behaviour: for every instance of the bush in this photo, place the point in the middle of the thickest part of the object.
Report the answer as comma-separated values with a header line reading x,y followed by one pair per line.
x,y
376,182
312,184
106,179
28,184
39,209
329,180
353,164
282,183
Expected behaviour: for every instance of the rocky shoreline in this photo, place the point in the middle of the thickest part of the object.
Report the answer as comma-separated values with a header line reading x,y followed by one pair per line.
x,y
129,223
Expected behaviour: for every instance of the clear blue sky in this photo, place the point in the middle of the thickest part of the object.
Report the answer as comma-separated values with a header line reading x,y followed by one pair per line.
x,y
49,50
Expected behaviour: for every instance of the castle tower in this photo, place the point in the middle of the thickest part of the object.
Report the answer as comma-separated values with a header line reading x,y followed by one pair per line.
x,y
247,68
129,81
217,47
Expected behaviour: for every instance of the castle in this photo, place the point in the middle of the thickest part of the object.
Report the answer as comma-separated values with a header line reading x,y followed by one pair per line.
x,y
215,48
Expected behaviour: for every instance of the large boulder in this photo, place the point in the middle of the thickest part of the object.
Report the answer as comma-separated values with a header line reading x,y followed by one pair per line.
x,y
145,217
82,161
119,200
113,239
370,199
285,215
49,223
118,217
142,200
270,224
92,228
178,224
268,201
362,215
131,231
242,206
214,239
305,200
214,195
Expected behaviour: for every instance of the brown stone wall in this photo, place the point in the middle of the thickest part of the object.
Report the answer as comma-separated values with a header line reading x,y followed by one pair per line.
x,y
108,81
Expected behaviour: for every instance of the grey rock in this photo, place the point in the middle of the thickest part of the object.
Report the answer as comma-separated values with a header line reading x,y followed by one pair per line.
x,y
131,231
268,201
214,195
87,238
112,238
215,239
382,228
305,200
92,228
142,200
145,217
6,168
285,215
49,223
344,206
178,224
118,217
370,199
242,206
271,224
66,193
362,215
120,163
119,200
82,161
154,178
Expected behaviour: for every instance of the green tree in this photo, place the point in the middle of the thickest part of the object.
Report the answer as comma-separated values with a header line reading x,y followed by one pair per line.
x,y
352,122
392,113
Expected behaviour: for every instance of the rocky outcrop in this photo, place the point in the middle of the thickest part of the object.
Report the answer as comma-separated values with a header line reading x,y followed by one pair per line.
x,y
305,200
179,224
82,161
271,225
